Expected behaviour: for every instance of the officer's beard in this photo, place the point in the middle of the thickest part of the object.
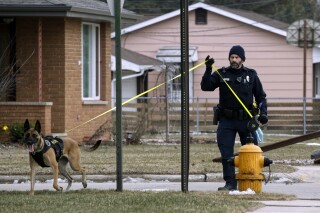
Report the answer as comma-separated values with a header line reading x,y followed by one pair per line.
x,y
235,65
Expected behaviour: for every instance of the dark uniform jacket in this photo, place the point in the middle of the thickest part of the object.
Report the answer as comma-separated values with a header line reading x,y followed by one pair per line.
x,y
244,82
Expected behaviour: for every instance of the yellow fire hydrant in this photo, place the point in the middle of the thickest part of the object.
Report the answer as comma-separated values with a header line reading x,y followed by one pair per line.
x,y
250,163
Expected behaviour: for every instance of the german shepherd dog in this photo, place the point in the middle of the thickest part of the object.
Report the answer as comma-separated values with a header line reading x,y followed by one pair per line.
x,y
56,154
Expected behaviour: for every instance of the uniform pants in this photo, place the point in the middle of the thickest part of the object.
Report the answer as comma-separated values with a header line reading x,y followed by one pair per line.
x,y
226,134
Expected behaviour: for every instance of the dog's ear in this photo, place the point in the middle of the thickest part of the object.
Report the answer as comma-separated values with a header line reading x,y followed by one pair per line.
x,y
38,126
26,125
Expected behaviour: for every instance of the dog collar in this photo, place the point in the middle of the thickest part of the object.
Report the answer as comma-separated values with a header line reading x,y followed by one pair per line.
x,y
42,147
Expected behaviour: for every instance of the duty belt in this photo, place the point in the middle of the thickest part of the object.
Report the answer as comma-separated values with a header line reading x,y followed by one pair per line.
x,y
238,114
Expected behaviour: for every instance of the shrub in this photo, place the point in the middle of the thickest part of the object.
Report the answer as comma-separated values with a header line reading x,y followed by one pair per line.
x,y
16,132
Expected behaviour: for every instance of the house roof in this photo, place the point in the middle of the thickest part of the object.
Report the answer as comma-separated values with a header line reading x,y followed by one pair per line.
x,y
85,9
246,17
135,61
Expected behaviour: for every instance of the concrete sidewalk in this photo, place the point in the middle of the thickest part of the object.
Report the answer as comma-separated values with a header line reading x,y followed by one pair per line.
x,y
308,195
300,206
307,192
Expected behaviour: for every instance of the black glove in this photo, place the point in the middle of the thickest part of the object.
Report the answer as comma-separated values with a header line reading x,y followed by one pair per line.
x,y
263,119
209,62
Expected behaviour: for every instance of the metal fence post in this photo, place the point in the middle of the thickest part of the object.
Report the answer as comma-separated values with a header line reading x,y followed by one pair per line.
x,y
198,116
304,115
184,32
117,9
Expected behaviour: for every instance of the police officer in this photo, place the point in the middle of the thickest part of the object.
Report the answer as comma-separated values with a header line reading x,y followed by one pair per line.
x,y
233,118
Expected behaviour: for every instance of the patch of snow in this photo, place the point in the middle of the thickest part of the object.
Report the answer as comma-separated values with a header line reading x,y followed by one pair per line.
x,y
59,180
134,180
156,181
155,190
283,180
313,144
247,192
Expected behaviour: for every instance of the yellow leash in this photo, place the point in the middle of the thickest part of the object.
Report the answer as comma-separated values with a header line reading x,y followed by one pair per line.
x,y
135,97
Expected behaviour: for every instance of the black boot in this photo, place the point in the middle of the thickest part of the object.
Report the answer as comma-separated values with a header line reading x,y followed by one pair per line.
x,y
231,185
228,176
227,187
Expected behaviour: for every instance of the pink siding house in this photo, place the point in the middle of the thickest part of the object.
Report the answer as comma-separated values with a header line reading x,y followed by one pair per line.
x,y
212,31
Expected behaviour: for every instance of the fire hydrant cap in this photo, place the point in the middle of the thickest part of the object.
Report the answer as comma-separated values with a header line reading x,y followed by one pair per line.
x,y
250,147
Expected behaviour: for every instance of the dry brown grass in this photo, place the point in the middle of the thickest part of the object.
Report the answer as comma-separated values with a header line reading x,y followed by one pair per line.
x,y
155,158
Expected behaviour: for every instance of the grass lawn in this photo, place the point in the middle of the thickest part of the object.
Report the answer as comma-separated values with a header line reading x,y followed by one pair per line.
x,y
131,201
156,158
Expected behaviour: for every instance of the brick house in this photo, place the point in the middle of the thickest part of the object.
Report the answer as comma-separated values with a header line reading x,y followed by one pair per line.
x,y
59,55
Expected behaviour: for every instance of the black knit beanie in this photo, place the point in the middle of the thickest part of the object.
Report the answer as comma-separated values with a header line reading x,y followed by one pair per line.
x,y
238,50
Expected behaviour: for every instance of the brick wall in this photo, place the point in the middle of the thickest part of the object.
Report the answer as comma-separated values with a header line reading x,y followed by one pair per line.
x,y
27,60
54,70
79,112
17,112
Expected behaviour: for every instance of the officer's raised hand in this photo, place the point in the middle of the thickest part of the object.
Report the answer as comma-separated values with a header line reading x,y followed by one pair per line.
x,y
263,118
209,62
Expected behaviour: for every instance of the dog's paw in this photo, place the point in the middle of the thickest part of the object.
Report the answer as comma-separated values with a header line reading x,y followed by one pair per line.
x,y
58,188
84,184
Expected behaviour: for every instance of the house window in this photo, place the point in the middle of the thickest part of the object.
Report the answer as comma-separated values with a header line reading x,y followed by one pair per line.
x,y
317,80
174,86
171,56
201,16
90,61
174,83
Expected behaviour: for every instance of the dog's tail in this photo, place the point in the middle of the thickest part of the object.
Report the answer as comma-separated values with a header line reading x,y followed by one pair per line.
x,y
94,147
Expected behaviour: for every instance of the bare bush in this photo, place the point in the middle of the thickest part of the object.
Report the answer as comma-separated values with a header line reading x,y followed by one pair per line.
x,y
8,73
7,79
105,129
